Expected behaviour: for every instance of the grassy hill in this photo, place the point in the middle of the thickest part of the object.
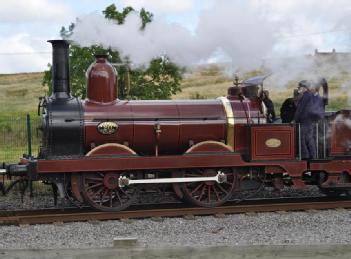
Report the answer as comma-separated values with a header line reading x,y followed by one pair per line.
x,y
205,83
19,93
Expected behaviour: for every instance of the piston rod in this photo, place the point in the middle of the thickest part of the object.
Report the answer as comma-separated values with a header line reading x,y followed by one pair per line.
x,y
219,178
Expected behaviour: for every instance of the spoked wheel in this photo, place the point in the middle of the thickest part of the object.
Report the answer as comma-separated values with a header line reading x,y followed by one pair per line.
x,y
210,193
73,190
102,192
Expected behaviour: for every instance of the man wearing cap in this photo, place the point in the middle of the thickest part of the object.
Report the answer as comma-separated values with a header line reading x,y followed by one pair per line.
x,y
303,116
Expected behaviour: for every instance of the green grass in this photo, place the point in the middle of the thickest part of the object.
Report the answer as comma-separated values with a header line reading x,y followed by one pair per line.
x,y
13,138
18,96
19,93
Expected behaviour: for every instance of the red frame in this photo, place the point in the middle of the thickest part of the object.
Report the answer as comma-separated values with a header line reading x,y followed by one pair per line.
x,y
198,160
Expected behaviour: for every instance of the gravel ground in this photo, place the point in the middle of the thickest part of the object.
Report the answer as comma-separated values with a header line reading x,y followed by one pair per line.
x,y
43,198
322,227
13,201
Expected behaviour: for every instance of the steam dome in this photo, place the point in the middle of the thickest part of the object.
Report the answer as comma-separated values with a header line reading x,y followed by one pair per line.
x,y
102,81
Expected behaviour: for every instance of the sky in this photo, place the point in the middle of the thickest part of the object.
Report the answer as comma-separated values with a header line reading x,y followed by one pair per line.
x,y
267,29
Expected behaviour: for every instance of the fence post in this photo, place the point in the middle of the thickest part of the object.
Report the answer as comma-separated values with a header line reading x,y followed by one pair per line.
x,y
29,136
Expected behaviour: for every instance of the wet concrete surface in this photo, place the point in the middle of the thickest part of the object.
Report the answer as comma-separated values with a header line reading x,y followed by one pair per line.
x,y
134,251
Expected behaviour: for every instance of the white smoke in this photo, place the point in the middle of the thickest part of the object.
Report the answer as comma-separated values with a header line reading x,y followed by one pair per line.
x,y
247,33
242,33
342,120
310,67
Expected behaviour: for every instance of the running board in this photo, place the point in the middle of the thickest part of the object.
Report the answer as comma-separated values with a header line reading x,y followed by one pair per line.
x,y
219,178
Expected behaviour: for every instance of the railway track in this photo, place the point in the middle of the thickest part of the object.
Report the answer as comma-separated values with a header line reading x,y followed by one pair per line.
x,y
170,210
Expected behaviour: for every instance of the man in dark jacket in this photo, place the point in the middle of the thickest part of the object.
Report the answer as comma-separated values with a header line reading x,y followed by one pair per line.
x,y
303,116
288,109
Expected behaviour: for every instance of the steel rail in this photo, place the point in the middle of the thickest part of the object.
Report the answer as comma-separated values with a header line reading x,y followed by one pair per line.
x,y
46,218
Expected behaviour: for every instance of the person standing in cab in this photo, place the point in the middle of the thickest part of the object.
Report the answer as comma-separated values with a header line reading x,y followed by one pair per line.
x,y
288,109
303,117
317,114
269,105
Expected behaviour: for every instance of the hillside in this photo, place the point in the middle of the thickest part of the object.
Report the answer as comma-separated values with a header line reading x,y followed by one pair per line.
x,y
19,92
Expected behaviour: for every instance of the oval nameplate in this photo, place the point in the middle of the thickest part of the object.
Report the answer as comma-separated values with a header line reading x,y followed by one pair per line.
x,y
107,127
273,142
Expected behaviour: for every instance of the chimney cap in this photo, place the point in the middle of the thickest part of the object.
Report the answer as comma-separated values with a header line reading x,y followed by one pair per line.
x,y
66,42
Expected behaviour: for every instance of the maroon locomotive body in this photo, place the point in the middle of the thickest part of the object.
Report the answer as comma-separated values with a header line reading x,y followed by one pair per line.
x,y
106,152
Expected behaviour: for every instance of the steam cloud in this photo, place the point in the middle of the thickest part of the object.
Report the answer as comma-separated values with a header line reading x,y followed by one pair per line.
x,y
244,32
236,32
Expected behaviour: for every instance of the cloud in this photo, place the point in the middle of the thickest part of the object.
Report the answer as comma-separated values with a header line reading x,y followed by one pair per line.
x,y
24,53
24,11
242,31
307,25
162,7
302,15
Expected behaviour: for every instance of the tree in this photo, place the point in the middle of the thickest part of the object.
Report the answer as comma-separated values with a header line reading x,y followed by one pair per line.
x,y
159,80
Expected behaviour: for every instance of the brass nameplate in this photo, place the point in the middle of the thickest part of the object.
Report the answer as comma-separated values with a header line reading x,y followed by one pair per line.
x,y
107,127
273,142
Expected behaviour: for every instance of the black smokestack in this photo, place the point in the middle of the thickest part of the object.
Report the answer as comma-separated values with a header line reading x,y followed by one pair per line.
x,y
60,69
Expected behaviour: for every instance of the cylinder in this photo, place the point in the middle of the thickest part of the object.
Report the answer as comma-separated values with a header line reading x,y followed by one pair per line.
x,y
60,69
102,81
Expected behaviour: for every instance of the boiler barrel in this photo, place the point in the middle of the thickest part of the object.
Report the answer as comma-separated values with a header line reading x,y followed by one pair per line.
x,y
180,124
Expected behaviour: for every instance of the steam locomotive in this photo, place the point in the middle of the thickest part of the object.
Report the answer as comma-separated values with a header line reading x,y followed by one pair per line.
x,y
106,152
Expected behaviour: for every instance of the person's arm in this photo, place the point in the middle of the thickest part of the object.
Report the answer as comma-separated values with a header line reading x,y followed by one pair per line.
x,y
301,107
